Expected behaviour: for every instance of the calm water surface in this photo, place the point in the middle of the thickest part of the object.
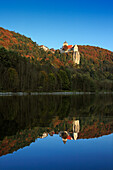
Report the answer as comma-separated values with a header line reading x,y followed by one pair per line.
x,y
56,132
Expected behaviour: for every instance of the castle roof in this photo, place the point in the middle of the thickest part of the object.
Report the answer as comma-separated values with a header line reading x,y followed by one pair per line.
x,y
69,138
70,46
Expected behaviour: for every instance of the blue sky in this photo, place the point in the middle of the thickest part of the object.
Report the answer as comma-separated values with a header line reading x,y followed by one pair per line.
x,y
52,22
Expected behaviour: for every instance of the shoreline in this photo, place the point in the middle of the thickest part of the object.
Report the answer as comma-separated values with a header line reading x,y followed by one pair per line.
x,y
49,93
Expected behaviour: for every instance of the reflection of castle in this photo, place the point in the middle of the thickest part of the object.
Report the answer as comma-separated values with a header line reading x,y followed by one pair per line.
x,y
68,131
71,135
44,135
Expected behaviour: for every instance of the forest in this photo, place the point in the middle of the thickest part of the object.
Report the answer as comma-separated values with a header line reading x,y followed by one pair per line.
x,y
26,67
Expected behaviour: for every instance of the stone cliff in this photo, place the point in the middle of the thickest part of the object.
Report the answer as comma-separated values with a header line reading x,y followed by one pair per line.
x,y
76,57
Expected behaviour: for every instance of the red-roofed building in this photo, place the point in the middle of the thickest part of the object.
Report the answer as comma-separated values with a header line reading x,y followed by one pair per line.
x,y
52,50
68,48
73,49
44,47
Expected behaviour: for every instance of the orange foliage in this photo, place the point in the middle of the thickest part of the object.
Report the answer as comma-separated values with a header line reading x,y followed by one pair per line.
x,y
57,62
96,53
26,47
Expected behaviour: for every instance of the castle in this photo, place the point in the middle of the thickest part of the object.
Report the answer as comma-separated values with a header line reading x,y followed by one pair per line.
x,y
71,48
66,49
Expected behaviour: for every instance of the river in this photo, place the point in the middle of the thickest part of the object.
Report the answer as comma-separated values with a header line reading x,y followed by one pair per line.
x,y
56,131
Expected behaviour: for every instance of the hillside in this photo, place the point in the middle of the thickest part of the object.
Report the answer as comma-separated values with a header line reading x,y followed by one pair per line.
x,y
25,66
25,47
29,49
19,43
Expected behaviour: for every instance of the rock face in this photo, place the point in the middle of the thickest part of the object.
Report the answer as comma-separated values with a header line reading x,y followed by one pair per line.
x,y
76,57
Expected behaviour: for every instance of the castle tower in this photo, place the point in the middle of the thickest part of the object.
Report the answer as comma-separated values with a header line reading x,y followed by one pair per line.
x,y
65,43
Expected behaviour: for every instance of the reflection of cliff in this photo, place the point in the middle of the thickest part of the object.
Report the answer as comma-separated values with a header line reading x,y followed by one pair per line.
x,y
76,128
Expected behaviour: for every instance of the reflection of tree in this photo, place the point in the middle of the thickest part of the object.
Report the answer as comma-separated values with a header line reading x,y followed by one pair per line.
x,y
68,128
65,127
17,113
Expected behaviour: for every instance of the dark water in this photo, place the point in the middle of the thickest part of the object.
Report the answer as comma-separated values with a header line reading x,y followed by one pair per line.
x,y
56,132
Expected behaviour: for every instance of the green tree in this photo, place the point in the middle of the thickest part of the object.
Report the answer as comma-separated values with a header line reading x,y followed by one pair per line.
x,y
43,81
65,80
59,82
52,81
13,79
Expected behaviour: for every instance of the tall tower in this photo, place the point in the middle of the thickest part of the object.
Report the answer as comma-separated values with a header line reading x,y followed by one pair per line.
x,y
65,43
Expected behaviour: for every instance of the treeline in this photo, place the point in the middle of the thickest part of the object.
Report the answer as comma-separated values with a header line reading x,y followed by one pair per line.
x,y
19,73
